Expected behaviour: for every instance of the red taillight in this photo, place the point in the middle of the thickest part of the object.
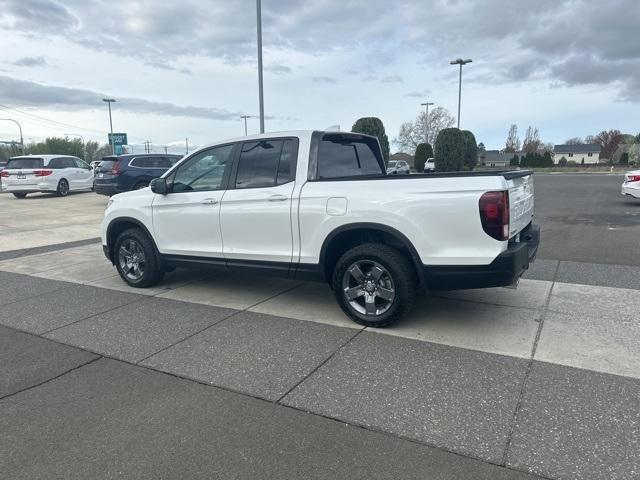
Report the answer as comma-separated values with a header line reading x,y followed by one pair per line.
x,y
4,174
633,178
115,170
42,173
494,214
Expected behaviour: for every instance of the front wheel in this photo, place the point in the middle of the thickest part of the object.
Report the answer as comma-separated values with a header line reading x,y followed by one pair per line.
x,y
374,284
136,259
19,194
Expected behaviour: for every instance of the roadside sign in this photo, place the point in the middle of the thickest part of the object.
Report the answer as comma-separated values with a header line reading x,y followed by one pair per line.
x,y
118,139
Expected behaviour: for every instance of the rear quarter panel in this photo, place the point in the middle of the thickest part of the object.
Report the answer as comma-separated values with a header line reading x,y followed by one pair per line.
x,y
439,216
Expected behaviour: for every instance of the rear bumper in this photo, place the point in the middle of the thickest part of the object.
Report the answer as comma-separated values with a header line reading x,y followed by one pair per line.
x,y
505,270
39,187
633,191
107,188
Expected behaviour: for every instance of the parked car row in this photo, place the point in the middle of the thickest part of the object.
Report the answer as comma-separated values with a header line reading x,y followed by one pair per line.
x,y
62,174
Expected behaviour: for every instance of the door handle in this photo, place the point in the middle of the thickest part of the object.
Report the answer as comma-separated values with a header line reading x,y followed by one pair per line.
x,y
278,198
209,201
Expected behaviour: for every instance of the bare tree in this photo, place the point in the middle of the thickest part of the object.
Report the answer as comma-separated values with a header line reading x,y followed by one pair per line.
x,y
532,142
590,139
512,145
414,133
574,141
609,142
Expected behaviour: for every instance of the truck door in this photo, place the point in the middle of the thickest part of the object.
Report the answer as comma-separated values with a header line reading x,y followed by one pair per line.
x,y
256,209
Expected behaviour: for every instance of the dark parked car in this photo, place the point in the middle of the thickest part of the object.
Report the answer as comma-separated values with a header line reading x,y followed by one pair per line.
x,y
122,173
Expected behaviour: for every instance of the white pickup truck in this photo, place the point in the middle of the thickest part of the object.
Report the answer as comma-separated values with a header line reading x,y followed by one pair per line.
x,y
319,206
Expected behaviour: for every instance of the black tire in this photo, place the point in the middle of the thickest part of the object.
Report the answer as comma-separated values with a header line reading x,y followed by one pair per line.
x,y
140,185
19,194
398,278
63,188
151,273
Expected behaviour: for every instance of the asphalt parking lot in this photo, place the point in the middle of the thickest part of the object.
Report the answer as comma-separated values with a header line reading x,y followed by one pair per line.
x,y
233,376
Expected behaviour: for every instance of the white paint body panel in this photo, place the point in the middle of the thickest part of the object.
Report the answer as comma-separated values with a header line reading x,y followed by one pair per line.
x,y
631,188
77,178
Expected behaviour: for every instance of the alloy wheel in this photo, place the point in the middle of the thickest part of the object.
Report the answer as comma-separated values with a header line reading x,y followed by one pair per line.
x,y
368,287
131,259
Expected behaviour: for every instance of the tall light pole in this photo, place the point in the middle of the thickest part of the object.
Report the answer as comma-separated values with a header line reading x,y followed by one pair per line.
x,y
84,145
260,90
113,145
426,121
19,128
245,123
460,62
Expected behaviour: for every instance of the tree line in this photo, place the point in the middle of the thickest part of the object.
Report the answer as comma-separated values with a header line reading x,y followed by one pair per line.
x,y
454,149
88,151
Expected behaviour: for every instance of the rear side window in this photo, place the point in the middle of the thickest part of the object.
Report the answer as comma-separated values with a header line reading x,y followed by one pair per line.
x,y
266,163
81,164
151,162
20,163
347,156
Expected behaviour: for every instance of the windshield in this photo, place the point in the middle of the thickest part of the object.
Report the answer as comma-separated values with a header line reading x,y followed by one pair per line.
x,y
24,163
391,164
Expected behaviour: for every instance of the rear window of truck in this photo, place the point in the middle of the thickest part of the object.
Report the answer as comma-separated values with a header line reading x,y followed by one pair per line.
x,y
24,163
347,156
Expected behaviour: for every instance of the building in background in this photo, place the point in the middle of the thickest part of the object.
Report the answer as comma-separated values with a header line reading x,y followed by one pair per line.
x,y
585,153
495,158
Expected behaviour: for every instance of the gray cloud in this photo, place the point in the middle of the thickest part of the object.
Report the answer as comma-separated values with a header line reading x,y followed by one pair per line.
x,y
277,69
167,67
322,79
501,36
421,94
30,62
24,93
392,79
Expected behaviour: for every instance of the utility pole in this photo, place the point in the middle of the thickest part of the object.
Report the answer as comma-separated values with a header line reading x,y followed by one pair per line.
x,y
426,121
260,89
113,145
19,128
245,123
186,143
165,149
460,62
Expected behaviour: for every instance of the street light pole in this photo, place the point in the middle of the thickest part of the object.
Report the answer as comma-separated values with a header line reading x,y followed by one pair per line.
x,y
260,89
426,121
19,128
460,62
113,145
245,123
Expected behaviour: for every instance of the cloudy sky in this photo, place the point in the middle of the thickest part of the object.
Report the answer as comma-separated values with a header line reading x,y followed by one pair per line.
x,y
188,68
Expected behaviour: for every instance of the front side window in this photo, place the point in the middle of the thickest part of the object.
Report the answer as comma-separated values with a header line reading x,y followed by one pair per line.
x,y
347,156
204,171
258,164
81,164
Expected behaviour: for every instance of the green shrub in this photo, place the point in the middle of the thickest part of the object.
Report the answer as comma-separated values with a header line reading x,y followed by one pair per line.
x,y
515,161
470,150
624,158
423,153
563,161
373,126
572,163
449,151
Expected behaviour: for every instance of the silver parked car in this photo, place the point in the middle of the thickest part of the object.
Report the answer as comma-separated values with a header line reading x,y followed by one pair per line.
x,y
398,167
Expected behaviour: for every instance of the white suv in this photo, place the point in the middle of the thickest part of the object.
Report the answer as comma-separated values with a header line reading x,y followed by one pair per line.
x,y
46,173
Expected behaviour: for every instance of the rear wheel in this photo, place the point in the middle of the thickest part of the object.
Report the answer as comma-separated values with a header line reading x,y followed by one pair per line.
x,y
19,194
63,188
136,259
374,284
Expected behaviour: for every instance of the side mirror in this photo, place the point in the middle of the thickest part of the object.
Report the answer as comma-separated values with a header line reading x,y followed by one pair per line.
x,y
159,186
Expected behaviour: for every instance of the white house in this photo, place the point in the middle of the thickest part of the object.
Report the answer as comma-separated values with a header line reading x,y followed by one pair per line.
x,y
586,153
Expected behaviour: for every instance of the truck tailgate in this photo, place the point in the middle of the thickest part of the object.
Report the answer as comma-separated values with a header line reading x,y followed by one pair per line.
x,y
520,203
